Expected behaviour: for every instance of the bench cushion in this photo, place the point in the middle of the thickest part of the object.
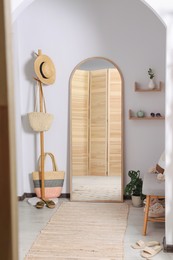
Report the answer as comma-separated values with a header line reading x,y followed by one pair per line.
x,y
152,186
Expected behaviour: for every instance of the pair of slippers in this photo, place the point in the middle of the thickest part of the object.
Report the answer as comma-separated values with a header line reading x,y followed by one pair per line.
x,y
149,249
49,203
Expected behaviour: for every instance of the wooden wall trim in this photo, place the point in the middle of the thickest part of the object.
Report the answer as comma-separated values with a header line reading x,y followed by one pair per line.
x,y
8,216
167,248
31,195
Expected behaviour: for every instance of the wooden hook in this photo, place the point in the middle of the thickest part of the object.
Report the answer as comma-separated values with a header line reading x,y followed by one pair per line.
x,y
36,79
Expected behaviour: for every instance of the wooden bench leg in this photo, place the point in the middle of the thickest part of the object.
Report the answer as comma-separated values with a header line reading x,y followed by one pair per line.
x,y
146,214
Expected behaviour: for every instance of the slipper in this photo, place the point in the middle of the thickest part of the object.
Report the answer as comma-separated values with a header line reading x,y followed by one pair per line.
x,y
149,252
156,211
39,204
50,203
141,244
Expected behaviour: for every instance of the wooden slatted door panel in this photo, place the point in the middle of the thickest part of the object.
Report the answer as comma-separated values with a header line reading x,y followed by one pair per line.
x,y
114,123
98,122
79,123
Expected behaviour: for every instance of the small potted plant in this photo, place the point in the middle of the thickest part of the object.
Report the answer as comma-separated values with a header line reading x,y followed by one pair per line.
x,y
134,188
151,74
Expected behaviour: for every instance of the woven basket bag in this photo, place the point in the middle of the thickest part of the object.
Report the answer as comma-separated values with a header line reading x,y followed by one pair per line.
x,y
53,180
40,121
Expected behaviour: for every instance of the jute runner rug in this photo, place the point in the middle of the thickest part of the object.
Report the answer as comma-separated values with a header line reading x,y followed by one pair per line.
x,y
83,230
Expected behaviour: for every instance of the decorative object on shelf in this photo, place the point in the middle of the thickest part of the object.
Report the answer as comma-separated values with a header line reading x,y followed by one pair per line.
x,y
157,114
40,121
151,74
44,69
140,113
134,188
53,180
138,88
133,117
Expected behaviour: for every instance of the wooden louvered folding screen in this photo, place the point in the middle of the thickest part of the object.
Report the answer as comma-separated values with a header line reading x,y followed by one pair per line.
x,y
98,123
96,145
114,123
79,122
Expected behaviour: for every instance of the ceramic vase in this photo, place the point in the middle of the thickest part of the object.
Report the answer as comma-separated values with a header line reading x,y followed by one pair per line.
x,y
151,84
140,113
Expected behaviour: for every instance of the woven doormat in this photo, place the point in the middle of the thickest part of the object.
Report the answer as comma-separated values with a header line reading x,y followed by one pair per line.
x,y
83,230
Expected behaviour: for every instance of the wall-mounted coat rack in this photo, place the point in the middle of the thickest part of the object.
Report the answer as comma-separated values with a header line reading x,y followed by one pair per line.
x,y
45,72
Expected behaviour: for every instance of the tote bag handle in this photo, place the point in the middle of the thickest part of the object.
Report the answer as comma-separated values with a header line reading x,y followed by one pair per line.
x,y
36,97
54,165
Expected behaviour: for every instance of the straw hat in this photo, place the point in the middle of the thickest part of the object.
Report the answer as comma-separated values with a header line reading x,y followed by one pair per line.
x,y
45,69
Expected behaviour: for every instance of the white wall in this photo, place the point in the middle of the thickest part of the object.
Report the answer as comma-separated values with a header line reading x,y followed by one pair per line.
x,y
165,10
18,6
124,31
15,4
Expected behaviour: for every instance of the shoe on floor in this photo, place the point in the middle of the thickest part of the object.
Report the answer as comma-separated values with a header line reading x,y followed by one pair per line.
x,y
141,244
156,211
40,204
50,203
149,252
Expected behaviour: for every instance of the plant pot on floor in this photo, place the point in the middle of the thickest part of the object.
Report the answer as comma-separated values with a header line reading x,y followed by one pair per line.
x,y
136,201
134,188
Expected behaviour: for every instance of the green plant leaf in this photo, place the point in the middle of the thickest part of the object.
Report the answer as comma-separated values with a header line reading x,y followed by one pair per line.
x,y
134,187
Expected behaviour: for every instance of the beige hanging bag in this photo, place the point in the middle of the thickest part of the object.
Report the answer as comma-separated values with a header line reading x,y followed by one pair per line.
x,y
40,121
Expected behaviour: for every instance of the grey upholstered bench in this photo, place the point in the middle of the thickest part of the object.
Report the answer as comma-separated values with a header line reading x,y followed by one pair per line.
x,y
152,188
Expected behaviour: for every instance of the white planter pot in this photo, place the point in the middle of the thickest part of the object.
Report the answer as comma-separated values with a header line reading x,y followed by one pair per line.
x,y
136,201
151,84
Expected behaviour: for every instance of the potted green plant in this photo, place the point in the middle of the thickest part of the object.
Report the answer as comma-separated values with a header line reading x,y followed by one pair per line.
x,y
134,188
151,74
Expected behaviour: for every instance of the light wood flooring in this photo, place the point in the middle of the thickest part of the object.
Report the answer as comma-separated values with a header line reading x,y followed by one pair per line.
x,y
32,220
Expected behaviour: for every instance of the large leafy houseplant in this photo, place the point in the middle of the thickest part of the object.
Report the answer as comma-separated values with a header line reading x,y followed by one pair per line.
x,y
134,187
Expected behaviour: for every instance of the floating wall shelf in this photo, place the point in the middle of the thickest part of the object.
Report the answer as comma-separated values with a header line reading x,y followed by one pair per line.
x,y
137,88
133,117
